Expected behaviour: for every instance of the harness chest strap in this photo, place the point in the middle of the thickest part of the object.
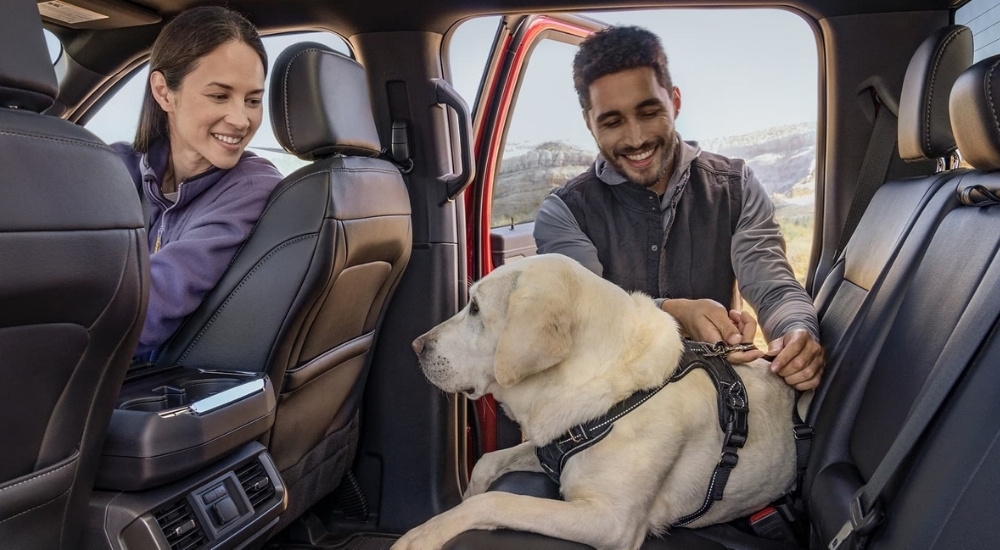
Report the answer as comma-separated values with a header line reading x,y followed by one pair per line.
x,y
733,411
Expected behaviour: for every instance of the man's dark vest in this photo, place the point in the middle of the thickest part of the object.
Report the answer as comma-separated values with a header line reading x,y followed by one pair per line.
x,y
625,223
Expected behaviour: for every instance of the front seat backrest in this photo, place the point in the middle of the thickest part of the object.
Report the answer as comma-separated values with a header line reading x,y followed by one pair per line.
x,y
305,295
73,286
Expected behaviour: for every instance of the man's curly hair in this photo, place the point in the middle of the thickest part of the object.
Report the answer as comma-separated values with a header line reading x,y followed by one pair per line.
x,y
616,49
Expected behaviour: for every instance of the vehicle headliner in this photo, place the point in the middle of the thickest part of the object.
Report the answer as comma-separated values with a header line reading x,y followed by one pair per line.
x,y
353,17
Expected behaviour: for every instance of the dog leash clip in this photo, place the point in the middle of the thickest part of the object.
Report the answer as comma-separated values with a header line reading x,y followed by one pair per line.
x,y
721,349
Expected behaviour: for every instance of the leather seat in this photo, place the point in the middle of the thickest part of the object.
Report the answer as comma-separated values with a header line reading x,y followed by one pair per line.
x,y
894,213
73,284
304,297
929,307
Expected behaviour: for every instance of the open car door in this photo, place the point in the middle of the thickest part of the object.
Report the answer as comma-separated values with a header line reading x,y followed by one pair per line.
x,y
531,61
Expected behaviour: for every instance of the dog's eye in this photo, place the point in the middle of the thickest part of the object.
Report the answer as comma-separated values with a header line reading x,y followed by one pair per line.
x,y
473,308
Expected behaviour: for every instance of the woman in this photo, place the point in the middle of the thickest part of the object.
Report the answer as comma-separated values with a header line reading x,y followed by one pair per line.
x,y
203,190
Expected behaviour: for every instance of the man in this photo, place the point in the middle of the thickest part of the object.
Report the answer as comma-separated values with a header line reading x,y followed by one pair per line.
x,y
658,215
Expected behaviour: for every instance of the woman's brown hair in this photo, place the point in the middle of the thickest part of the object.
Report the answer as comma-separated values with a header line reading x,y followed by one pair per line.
x,y
190,36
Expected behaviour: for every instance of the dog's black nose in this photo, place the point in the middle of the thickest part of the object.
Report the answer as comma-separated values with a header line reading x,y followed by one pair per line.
x,y
418,345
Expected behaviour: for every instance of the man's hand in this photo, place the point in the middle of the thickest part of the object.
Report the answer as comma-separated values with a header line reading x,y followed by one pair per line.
x,y
708,321
798,359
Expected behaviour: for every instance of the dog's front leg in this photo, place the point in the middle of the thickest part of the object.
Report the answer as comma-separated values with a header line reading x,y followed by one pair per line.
x,y
520,458
587,522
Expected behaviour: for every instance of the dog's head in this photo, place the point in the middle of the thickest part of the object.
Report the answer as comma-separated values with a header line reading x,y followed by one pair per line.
x,y
518,322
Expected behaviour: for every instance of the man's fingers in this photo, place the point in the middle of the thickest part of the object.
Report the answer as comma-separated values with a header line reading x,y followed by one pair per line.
x,y
792,345
744,356
808,377
712,323
749,331
725,326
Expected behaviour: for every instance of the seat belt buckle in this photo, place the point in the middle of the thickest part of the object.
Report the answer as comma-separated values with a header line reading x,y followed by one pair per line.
x,y
769,524
864,521
861,523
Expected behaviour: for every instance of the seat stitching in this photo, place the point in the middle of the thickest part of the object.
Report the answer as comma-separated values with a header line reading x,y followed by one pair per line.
x,y
236,291
47,502
284,93
989,94
40,476
70,141
930,92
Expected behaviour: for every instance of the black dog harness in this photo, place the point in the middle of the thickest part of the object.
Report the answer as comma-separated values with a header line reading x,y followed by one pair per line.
x,y
733,410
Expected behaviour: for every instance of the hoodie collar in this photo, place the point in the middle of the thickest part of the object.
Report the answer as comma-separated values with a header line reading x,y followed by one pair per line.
x,y
154,165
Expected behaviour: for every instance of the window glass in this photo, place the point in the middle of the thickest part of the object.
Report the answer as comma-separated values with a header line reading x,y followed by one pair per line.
x,y
547,141
55,47
983,17
118,118
748,80
468,52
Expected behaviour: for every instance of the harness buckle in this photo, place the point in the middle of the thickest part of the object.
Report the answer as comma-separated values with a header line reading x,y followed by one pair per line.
x,y
802,431
729,458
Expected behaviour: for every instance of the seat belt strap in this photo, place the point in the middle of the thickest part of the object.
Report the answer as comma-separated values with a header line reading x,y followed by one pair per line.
x,y
960,350
874,169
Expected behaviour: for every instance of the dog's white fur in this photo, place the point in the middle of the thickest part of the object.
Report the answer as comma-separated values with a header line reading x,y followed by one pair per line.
x,y
558,346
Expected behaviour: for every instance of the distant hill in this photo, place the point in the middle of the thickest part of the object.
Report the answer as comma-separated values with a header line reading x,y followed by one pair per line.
x,y
524,180
783,158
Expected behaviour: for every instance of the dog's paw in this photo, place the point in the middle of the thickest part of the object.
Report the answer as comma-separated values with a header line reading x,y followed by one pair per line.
x,y
422,537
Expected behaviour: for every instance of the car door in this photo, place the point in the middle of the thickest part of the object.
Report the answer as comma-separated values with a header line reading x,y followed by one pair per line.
x,y
531,57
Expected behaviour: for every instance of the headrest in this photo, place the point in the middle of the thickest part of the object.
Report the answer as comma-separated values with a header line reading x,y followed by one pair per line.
x,y
924,124
27,79
320,104
975,102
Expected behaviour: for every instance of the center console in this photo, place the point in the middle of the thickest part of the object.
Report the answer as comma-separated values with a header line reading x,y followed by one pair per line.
x,y
180,466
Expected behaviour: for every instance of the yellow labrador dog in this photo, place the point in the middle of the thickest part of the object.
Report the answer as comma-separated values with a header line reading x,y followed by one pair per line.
x,y
559,346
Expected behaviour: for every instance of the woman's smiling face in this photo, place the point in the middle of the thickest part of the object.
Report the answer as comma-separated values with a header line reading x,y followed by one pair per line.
x,y
215,111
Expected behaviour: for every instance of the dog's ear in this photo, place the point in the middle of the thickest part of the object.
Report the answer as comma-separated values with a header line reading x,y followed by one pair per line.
x,y
537,333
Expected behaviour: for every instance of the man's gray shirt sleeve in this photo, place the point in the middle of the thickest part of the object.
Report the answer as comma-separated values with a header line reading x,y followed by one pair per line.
x,y
556,230
766,279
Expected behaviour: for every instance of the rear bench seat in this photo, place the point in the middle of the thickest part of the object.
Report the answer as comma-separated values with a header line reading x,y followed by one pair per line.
x,y
893,213
950,495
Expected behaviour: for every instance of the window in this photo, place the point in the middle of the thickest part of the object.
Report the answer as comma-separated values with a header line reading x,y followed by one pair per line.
x,y
468,51
118,117
983,17
55,47
748,79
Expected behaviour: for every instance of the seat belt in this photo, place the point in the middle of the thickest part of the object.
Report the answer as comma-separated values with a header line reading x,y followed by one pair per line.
x,y
973,327
874,169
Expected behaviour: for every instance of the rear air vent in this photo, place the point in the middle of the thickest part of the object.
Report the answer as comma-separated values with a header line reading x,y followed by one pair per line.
x,y
255,482
180,526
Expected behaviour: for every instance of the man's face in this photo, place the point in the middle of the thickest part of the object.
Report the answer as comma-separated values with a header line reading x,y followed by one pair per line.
x,y
632,118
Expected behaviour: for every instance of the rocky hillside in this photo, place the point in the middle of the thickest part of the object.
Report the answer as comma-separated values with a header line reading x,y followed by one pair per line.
x,y
524,180
783,158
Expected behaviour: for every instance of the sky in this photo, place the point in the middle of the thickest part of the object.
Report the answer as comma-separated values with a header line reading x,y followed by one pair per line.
x,y
738,71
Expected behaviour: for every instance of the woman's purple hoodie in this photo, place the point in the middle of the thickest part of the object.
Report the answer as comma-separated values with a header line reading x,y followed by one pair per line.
x,y
198,234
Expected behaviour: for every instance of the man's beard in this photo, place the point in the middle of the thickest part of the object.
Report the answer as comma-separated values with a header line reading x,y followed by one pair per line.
x,y
668,149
